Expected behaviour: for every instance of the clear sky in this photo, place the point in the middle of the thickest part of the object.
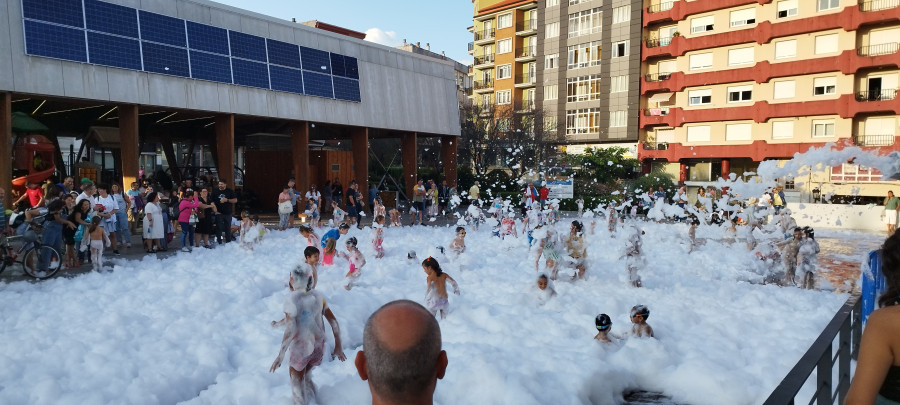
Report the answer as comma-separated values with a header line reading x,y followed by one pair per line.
x,y
442,23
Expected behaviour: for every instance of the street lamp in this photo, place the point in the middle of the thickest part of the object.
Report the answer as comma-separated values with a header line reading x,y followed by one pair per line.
x,y
816,194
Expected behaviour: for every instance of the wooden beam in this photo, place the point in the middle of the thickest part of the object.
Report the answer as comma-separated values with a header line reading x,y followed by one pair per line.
x,y
225,148
300,155
128,139
360,140
5,150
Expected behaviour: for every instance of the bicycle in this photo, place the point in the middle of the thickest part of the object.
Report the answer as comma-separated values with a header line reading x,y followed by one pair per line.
x,y
38,260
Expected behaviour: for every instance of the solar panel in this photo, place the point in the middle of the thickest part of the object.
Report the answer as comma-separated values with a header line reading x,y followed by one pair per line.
x,y
315,60
110,50
315,84
285,79
207,38
66,12
352,67
250,73
162,29
337,65
165,59
283,53
248,46
111,18
54,41
207,66
346,89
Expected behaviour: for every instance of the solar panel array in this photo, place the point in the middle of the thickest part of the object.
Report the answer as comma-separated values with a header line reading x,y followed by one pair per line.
x,y
101,33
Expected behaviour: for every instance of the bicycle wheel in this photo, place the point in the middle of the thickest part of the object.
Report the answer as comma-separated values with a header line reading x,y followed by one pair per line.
x,y
42,262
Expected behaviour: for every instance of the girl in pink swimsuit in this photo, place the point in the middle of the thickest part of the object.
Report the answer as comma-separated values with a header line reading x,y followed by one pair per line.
x,y
357,261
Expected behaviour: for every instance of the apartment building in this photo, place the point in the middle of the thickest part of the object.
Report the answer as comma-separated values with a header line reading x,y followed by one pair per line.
x,y
729,83
576,63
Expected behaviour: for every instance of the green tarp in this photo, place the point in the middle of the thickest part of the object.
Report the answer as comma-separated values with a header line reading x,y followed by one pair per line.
x,y
23,124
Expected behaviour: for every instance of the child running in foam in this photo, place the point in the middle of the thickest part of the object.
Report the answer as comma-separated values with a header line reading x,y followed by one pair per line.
x,y
260,228
604,327
550,248
309,235
634,256
329,242
458,244
338,213
576,249
546,291
436,293
305,335
508,226
357,261
379,236
310,266
247,235
639,315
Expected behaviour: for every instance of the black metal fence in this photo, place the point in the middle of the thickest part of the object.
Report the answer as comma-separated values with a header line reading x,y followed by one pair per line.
x,y
846,326
877,50
883,94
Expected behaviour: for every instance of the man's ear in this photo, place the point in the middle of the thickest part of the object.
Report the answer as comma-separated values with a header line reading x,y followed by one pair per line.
x,y
441,366
361,367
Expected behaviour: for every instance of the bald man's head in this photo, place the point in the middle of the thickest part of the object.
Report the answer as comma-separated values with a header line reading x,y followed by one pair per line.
x,y
402,351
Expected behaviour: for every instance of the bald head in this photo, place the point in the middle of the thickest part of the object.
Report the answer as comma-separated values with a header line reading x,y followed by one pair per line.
x,y
402,357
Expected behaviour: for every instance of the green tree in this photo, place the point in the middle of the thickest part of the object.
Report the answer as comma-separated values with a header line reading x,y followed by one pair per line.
x,y
602,165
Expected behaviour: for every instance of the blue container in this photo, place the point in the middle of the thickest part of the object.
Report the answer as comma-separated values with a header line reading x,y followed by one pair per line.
x,y
873,284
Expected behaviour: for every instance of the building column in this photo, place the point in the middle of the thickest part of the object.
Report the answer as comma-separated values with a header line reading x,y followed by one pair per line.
x,y
360,141
129,152
682,173
410,168
448,158
726,168
225,148
300,154
5,147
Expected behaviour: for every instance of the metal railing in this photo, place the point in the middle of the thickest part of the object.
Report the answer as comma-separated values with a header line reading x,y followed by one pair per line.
x,y
874,140
656,145
653,43
657,77
484,34
884,94
876,50
656,112
526,52
483,84
484,59
526,105
526,79
877,5
847,327
656,8
526,25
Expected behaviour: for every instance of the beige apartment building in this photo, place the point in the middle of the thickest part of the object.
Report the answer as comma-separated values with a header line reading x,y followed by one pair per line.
x,y
729,83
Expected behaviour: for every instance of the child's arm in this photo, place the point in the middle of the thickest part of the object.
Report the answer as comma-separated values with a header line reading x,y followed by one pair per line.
x,y
336,329
285,341
453,283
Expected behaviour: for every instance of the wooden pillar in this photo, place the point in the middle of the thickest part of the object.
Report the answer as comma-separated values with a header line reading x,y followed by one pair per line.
x,y
360,141
128,143
5,150
448,158
410,166
225,148
726,168
682,173
300,155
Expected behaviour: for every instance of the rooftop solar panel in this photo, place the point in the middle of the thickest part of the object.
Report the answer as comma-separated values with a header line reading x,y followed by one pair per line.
x,y
207,38
162,29
110,50
315,60
316,84
111,18
337,65
248,46
207,66
249,73
166,59
283,53
346,89
66,12
54,41
352,67
284,79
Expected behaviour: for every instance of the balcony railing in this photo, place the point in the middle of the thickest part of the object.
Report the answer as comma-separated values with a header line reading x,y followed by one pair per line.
x,y
527,52
484,59
657,77
874,140
526,25
656,145
653,43
657,8
656,112
884,94
484,34
876,50
526,105
471,46
526,79
484,84
878,5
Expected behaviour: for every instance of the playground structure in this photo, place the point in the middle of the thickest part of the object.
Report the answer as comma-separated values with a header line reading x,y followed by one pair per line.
x,y
33,154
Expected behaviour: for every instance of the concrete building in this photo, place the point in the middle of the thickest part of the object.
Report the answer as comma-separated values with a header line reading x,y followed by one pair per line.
x,y
463,76
216,75
728,84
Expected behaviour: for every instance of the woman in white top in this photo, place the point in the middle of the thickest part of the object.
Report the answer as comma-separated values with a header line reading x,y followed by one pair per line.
x,y
124,202
154,225
106,207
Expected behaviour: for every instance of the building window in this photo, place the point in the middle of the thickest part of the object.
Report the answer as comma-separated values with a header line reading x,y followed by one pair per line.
x,y
585,22
551,92
826,44
699,97
824,86
782,129
487,100
618,119
620,49
738,132
552,3
701,61
550,124
746,16
828,4
551,61
618,84
854,173
504,71
787,8
822,128
574,2
784,89
504,46
621,14
583,88
583,121
504,97
504,21
702,24
740,94
552,30
786,49
584,55
740,56
698,133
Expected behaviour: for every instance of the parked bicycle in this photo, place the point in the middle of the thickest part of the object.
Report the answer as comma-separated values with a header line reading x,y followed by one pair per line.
x,y
38,260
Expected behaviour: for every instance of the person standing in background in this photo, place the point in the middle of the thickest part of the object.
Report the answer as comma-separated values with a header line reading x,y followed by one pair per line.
x,y
890,212
224,199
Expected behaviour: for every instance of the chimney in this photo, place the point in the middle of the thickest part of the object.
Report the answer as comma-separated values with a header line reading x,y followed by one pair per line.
x,y
293,20
427,46
404,41
418,44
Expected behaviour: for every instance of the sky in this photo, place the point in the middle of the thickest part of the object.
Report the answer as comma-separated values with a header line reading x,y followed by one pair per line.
x,y
442,23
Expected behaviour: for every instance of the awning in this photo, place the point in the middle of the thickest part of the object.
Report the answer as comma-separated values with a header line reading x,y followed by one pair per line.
x,y
659,98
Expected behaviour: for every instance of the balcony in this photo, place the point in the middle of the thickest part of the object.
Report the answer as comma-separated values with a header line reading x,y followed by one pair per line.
x,y
526,27
873,140
484,36
471,48
877,5
884,94
525,106
483,85
877,50
658,8
526,54
526,80
657,77
654,43
656,145
484,60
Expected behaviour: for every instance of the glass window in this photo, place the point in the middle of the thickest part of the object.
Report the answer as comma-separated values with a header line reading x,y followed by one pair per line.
x,y
746,16
551,92
618,84
618,119
551,61
787,8
583,121
822,128
504,71
620,49
828,4
702,24
552,30
583,88
824,86
504,21
701,61
740,94
552,3
621,14
583,55
504,46
504,97
699,97
585,22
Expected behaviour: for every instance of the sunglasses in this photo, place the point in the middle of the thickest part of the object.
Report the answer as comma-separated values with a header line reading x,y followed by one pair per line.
x,y
637,315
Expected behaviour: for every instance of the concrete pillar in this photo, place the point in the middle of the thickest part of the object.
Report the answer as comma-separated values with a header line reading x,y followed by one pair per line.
x,y
360,140
5,150
448,158
682,173
225,148
726,168
300,154
410,167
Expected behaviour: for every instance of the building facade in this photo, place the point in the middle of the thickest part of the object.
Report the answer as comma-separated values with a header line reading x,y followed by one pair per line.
x,y
727,84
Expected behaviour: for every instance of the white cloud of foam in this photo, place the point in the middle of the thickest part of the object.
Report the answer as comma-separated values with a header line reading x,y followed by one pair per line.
x,y
380,36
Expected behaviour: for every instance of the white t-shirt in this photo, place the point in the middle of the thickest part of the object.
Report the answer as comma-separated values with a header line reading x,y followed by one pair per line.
x,y
109,204
313,195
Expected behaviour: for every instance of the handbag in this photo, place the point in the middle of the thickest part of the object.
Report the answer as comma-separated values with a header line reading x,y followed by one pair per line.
x,y
193,218
285,207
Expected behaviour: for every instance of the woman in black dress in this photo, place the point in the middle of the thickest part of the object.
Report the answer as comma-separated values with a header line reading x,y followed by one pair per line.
x,y
205,221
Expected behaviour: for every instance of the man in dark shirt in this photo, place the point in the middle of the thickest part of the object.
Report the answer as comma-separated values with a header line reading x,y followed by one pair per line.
x,y
224,199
